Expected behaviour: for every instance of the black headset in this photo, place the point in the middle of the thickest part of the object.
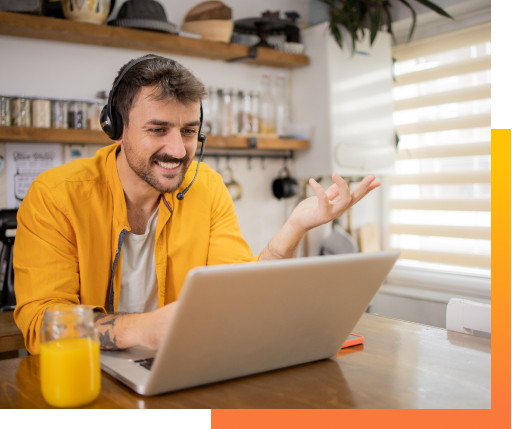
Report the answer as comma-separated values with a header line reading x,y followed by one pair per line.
x,y
111,121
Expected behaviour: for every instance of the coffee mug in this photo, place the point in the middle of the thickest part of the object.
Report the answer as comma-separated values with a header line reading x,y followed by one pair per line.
x,y
284,186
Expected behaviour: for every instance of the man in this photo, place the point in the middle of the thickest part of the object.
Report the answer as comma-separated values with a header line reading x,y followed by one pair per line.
x,y
110,232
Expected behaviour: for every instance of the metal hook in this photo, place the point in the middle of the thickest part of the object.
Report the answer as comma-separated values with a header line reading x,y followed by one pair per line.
x,y
249,159
217,163
227,161
263,163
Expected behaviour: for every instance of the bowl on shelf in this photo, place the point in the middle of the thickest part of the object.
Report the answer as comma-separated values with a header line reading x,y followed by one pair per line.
x,y
219,30
91,11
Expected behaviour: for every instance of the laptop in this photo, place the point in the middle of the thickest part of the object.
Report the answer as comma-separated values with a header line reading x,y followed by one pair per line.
x,y
242,319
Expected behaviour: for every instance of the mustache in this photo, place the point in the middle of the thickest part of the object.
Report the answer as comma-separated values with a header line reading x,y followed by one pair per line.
x,y
163,157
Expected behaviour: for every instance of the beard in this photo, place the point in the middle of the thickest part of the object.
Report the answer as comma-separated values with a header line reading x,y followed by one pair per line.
x,y
145,170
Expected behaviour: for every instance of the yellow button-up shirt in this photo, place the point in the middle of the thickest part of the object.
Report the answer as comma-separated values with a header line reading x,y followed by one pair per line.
x,y
70,230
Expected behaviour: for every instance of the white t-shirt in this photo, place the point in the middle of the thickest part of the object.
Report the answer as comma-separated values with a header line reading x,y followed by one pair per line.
x,y
139,286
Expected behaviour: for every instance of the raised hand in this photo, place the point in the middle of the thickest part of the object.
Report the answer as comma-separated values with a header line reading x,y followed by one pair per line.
x,y
328,205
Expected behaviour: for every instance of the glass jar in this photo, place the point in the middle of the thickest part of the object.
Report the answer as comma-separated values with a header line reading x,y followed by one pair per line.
x,y
226,127
5,111
255,108
234,111
59,114
93,114
70,356
77,114
267,107
282,111
41,113
20,112
214,111
244,113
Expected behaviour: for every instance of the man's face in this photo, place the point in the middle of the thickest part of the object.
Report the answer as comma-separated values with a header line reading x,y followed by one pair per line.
x,y
161,139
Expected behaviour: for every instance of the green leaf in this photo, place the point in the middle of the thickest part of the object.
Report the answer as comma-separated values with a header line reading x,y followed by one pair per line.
x,y
389,22
435,8
413,26
335,31
374,24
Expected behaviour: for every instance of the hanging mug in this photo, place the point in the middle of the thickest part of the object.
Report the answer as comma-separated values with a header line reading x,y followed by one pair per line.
x,y
234,188
285,186
91,11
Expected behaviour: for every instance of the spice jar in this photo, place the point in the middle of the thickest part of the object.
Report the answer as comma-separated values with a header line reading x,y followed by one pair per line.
x,y
5,111
77,114
70,356
20,112
41,113
59,114
93,114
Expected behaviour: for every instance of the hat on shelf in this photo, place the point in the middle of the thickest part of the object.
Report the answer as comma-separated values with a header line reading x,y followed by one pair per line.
x,y
143,14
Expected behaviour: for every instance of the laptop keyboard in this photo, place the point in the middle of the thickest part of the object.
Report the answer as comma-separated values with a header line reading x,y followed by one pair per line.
x,y
145,363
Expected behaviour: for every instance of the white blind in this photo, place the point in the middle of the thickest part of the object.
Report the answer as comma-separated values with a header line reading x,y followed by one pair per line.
x,y
440,206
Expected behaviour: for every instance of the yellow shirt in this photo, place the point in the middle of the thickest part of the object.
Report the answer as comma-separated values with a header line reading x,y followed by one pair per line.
x,y
70,229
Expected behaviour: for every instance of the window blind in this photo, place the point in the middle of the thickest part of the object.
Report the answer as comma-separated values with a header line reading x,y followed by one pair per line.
x,y
440,196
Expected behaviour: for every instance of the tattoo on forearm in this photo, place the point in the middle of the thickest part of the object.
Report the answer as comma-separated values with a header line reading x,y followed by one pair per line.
x,y
106,343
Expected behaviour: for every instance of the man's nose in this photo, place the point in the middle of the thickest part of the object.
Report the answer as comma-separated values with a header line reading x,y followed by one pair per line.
x,y
174,144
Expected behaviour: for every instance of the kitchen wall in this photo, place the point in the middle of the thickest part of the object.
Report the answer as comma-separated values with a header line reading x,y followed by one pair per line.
x,y
59,69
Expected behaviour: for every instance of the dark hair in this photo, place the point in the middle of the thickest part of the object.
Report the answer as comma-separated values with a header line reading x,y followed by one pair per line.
x,y
173,81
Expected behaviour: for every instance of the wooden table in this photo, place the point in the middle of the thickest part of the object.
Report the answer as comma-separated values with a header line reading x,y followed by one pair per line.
x,y
401,365
11,337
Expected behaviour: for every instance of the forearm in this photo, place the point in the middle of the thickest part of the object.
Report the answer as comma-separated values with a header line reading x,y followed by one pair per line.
x,y
284,245
118,331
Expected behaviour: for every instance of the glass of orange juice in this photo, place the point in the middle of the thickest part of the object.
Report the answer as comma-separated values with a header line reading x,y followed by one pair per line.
x,y
70,356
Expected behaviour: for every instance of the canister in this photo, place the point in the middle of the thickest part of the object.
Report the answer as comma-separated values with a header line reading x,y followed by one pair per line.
x,y
77,114
5,111
41,113
59,113
20,111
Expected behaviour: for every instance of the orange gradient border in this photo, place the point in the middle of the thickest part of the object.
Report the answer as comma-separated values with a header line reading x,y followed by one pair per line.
x,y
499,415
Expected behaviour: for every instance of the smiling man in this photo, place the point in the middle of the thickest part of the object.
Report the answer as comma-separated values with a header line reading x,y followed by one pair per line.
x,y
111,232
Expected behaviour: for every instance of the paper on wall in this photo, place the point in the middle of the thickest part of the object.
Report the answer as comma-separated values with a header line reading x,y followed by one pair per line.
x,y
24,162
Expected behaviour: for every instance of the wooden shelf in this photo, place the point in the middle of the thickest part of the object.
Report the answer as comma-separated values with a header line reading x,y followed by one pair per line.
x,y
36,27
72,136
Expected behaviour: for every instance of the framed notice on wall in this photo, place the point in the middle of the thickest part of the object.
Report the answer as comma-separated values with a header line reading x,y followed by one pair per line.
x,y
24,162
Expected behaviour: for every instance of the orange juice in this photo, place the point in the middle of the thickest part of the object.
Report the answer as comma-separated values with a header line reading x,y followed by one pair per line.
x,y
70,371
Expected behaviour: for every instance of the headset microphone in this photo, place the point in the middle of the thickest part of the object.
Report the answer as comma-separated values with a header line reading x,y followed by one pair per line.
x,y
202,139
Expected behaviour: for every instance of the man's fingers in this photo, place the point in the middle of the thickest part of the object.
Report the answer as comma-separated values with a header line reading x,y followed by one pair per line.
x,y
333,191
361,189
320,193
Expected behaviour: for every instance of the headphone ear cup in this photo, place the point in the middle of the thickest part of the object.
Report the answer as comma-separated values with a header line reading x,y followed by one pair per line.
x,y
117,124
106,122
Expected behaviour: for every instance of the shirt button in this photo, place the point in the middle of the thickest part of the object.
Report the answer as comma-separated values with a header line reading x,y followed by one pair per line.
x,y
116,250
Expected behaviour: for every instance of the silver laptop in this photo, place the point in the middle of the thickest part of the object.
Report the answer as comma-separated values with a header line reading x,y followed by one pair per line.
x,y
242,319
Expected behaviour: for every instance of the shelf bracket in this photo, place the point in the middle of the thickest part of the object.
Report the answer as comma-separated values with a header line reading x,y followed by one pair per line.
x,y
253,53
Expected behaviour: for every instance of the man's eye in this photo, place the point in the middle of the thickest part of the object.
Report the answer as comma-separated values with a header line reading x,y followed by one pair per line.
x,y
157,130
189,131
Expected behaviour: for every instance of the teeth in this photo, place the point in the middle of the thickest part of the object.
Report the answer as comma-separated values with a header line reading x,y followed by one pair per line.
x,y
169,165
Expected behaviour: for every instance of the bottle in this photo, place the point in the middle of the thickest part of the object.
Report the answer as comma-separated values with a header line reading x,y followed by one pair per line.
x,y
255,108
282,115
226,127
20,111
244,113
70,356
77,114
235,98
59,114
267,108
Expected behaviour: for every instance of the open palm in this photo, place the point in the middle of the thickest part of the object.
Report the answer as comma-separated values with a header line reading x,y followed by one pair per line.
x,y
328,205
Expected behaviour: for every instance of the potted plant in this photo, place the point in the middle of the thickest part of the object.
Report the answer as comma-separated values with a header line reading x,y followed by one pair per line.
x,y
356,16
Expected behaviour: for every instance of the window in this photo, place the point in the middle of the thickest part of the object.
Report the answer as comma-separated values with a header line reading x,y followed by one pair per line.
x,y
440,197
